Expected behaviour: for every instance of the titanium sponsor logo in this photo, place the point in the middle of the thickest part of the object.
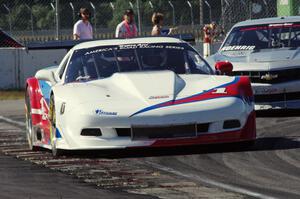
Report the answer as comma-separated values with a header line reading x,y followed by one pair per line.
x,y
102,112
269,76
233,48
159,97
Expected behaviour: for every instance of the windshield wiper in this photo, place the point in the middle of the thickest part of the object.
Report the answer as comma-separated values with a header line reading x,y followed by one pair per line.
x,y
83,78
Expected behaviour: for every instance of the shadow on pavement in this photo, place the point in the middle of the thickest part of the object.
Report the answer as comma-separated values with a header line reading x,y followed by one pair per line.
x,y
261,144
278,113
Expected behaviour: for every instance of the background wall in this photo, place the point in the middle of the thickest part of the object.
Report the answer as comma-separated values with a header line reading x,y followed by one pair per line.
x,y
19,64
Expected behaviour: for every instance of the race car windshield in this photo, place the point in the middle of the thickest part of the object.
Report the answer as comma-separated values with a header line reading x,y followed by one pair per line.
x,y
102,62
263,37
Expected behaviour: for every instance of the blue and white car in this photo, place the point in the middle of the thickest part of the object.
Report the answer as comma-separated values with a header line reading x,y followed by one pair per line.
x,y
267,50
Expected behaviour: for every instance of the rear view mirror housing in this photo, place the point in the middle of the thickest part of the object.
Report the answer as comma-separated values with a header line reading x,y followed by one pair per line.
x,y
223,68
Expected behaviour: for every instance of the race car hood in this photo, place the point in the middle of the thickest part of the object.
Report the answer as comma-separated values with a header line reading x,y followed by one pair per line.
x,y
260,60
137,89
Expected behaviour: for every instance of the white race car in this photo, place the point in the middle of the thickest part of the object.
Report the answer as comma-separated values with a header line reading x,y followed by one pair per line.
x,y
156,91
266,50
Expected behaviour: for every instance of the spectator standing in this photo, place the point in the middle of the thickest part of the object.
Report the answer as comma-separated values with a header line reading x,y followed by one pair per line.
x,y
158,21
83,28
127,28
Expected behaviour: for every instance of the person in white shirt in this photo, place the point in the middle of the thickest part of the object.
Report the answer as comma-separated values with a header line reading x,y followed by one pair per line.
x,y
127,28
83,28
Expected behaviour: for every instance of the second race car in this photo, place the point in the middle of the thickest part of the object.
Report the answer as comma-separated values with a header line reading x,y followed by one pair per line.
x,y
266,50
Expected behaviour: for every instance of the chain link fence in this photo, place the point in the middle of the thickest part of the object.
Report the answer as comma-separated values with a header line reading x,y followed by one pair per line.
x,y
35,20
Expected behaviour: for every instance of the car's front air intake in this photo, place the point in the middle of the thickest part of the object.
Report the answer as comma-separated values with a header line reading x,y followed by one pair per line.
x,y
168,132
91,132
231,124
160,132
123,132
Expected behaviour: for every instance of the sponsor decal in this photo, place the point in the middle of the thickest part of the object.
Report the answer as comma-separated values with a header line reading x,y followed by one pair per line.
x,y
100,50
236,48
269,76
135,46
221,90
159,97
102,112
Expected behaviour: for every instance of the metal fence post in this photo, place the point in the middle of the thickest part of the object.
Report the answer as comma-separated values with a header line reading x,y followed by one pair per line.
x,y
201,13
267,7
73,11
209,7
95,16
31,18
57,18
192,15
139,16
9,18
173,12
151,5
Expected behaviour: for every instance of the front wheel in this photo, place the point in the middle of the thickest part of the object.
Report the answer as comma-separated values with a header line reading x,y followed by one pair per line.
x,y
52,117
29,126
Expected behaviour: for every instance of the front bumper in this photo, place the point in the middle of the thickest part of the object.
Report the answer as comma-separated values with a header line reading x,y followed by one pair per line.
x,y
246,133
277,96
277,101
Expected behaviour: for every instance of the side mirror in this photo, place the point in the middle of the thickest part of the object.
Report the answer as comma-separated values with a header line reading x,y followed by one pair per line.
x,y
224,67
47,75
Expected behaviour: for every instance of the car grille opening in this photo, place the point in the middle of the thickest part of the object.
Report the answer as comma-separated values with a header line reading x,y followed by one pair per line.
x,y
279,75
231,124
91,132
161,132
202,128
277,97
123,132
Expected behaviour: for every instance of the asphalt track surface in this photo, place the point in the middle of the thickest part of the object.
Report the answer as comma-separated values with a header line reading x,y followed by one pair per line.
x,y
269,169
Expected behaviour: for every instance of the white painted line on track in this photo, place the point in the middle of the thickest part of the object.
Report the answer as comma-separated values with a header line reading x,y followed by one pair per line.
x,y
211,182
8,120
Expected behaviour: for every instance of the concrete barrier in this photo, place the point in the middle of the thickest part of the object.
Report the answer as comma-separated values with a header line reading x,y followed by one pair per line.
x,y
16,65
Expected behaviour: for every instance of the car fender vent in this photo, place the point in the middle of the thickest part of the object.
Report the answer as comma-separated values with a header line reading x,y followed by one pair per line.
x,y
231,124
91,132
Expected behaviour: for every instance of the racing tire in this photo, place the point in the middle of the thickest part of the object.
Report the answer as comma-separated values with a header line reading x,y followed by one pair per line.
x,y
29,127
52,116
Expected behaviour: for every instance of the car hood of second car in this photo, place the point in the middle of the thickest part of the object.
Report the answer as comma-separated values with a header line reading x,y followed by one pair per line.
x,y
265,59
138,89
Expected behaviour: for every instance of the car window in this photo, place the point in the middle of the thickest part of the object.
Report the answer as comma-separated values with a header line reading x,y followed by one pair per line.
x,y
196,64
263,37
63,67
104,61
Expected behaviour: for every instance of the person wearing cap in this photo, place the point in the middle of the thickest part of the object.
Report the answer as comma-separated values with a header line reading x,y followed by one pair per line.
x,y
83,28
127,28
